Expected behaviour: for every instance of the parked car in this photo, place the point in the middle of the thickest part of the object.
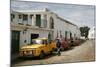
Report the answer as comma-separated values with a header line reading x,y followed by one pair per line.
x,y
74,42
64,44
71,42
39,47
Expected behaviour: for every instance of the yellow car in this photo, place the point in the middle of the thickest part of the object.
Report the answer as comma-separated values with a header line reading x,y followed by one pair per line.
x,y
39,47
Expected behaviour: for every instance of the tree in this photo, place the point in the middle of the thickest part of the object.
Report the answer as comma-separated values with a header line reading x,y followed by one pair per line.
x,y
84,31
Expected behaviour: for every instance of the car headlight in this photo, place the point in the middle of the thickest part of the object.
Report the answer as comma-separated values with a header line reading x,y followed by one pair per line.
x,y
30,52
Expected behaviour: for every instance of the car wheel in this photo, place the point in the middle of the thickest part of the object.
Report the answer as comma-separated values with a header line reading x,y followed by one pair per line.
x,y
51,52
42,54
62,49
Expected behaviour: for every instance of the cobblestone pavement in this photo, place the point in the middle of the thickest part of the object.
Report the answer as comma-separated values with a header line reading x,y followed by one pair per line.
x,y
82,53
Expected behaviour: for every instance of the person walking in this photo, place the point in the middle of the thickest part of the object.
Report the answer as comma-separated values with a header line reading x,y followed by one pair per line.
x,y
58,45
72,42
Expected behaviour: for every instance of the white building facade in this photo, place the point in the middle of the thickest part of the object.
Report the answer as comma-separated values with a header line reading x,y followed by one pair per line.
x,y
30,24
92,33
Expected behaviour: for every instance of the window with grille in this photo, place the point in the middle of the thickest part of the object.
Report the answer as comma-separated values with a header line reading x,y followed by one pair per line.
x,y
25,17
20,16
31,16
38,20
51,23
12,17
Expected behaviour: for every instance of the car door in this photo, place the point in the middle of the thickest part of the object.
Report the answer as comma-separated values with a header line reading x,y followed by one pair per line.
x,y
47,46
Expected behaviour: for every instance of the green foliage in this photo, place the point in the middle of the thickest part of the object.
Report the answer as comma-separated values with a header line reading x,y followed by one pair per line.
x,y
84,31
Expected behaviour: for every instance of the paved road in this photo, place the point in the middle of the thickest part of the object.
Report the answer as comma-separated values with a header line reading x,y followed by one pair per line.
x,y
84,52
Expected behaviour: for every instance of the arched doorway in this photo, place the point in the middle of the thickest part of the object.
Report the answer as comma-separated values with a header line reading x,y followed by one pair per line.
x,y
51,23
49,37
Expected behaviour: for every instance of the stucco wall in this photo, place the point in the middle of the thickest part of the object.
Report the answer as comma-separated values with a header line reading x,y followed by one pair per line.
x,y
27,35
59,25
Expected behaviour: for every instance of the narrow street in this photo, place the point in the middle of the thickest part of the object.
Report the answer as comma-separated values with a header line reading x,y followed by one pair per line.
x,y
81,53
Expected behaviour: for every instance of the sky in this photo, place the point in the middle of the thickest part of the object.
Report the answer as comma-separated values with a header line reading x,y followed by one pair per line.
x,y
81,15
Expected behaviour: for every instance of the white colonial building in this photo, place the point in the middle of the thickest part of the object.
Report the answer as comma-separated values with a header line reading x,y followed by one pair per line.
x,y
29,24
92,33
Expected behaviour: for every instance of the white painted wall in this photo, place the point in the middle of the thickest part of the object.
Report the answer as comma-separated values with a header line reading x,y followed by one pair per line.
x,y
63,26
59,25
27,36
92,33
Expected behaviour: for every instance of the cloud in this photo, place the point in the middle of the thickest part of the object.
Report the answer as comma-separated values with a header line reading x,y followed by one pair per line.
x,y
79,14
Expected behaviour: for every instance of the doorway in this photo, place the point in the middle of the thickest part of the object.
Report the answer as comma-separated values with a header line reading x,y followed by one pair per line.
x,y
15,40
38,20
34,36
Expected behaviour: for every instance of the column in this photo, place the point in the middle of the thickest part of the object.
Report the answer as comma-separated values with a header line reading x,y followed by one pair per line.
x,y
16,18
33,20
29,22
45,20
48,21
42,20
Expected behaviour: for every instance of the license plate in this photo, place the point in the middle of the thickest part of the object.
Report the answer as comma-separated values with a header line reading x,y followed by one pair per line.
x,y
28,52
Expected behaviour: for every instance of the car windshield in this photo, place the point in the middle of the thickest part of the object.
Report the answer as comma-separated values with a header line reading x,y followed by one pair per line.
x,y
37,41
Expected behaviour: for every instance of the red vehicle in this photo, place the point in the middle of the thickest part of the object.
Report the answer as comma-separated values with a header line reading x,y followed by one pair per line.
x,y
64,44
76,42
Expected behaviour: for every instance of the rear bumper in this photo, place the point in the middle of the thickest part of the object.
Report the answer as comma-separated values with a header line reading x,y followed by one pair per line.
x,y
27,56
24,54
